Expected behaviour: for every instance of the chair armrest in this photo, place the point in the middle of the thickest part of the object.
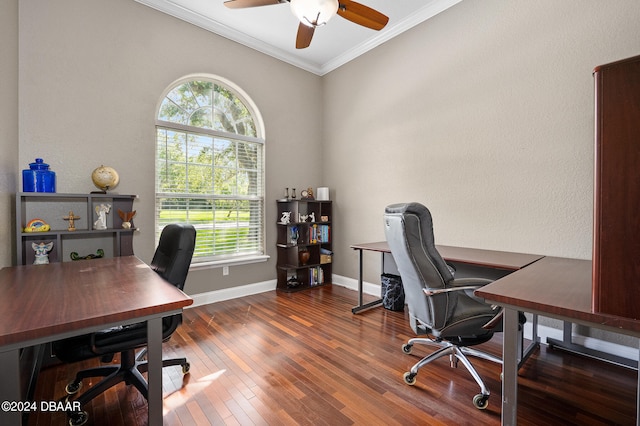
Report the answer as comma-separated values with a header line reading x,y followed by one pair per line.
x,y
495,320
436,291
476,282
459,284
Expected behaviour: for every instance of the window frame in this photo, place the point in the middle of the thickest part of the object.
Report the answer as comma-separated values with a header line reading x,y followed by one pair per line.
x,y
221,259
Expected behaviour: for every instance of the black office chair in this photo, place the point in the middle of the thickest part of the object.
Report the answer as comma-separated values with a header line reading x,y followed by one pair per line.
x,y
171,261
440,306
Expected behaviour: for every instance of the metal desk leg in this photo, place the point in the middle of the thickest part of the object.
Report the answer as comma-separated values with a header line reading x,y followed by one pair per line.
x,y
154,357
361,306
567,344
510,368
525,353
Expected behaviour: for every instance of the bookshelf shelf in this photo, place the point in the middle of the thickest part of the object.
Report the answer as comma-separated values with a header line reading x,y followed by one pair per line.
x,y
308,229
84,240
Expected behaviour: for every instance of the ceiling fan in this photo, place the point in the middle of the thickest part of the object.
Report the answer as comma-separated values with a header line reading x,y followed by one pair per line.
x,y
315,13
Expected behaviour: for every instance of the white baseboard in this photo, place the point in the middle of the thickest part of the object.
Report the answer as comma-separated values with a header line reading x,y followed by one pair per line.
x,y
543,331
231,293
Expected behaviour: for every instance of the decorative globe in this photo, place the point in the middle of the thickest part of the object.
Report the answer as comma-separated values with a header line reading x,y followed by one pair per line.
x,y
105,178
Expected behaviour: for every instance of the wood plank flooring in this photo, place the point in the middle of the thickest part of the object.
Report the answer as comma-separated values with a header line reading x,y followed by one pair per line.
x,y
305,359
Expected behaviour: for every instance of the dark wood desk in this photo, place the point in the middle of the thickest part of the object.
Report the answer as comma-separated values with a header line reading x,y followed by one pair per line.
x,y
44,303
553,287
503,260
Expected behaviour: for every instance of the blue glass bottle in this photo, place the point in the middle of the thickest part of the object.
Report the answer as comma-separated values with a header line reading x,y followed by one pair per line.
x,y
38,178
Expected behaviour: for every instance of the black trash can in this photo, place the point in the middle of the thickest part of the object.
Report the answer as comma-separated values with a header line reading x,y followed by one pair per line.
x,y
392,292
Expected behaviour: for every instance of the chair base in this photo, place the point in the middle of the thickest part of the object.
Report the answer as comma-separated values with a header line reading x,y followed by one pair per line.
x,y
129,371
456,353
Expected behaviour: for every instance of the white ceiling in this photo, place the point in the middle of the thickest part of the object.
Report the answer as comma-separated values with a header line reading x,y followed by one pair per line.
x,y
272,29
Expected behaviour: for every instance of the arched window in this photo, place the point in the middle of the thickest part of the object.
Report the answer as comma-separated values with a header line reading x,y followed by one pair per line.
x,y
210,168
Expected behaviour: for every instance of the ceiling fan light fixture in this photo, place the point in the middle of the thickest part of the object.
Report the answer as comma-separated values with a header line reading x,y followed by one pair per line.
x,y
314,13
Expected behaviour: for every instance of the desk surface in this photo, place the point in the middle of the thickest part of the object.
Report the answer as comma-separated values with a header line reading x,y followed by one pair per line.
x,y
44,300
557,286
480,257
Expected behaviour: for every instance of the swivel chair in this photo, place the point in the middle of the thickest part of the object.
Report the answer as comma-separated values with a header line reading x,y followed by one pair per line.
x,y
440,306
171,261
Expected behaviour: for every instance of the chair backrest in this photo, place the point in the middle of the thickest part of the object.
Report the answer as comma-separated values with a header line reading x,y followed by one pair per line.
x,y
409,233
174,252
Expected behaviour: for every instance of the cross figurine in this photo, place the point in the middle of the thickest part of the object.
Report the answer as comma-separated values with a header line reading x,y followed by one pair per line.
x,y
71,218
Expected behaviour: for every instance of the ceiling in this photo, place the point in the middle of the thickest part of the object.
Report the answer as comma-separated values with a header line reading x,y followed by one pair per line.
x,y
272,29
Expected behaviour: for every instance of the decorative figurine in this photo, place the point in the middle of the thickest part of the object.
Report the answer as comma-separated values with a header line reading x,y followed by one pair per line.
x,y
293,236
292,282
75,256
302,218
101,211
126,218
37,225
312,215
71,218
286,217
42,252
307,194
293,193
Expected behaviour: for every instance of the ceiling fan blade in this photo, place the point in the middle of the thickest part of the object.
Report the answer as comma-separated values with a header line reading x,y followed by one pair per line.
x,y
305,34
241,4
362,15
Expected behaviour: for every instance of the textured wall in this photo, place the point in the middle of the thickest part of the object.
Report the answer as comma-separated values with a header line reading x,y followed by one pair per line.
x,y
8,125
483,113
91,77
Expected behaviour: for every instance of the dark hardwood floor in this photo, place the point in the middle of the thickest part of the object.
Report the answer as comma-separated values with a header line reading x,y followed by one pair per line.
x,y
304,358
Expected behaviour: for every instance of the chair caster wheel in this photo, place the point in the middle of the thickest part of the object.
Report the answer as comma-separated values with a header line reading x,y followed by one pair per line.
x,y
78,418
481,401
409,378
186,367
406,348
73,388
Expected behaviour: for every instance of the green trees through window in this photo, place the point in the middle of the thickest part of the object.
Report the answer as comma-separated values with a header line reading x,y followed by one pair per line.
x,y
209,168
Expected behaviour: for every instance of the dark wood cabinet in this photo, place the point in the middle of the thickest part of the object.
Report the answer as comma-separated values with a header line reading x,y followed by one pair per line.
x,y
304,244
616,248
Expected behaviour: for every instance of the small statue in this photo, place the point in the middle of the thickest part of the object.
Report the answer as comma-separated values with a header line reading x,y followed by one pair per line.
x,y
126,218
312,215
42,252
101,211
37,225
75,256
286,217
71,218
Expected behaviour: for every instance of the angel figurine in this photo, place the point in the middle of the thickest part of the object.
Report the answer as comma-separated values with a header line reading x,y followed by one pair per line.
x,y
101,211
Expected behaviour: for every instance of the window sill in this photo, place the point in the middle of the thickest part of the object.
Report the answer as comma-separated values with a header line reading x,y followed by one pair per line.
x,y
228,262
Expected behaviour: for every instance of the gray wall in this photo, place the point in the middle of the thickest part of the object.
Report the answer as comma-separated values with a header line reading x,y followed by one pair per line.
x,y
8,125
484,113
91,76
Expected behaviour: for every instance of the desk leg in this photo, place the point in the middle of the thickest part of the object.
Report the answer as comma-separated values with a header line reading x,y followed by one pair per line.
x,y
567,344
510,368
10,386
361,306
154,357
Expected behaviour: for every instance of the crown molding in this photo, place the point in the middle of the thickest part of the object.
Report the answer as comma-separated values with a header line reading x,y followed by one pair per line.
x,y
216,27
